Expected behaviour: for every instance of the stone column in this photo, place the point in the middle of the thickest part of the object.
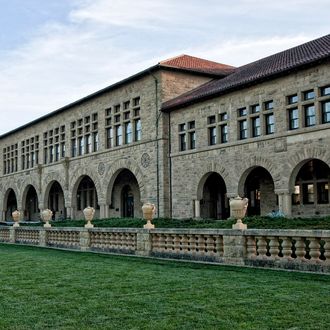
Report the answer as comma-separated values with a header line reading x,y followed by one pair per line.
x,y
143,243
69,212
2,215
234,249
104,210
284,202
197,205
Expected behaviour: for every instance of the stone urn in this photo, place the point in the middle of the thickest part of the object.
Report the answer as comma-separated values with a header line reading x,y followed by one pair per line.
x,y
89,214
16,217
238,207
148,211
46,216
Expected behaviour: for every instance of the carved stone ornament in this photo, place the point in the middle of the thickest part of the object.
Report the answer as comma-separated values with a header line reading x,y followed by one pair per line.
x,y
145,160
101,168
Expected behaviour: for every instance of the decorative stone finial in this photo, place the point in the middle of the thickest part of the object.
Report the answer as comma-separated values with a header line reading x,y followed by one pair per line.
x,y
238,207
46,216
16,217
148,211
89,214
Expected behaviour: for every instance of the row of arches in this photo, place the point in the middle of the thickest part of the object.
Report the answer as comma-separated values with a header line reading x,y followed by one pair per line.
x,y
308,195
125,199
309,192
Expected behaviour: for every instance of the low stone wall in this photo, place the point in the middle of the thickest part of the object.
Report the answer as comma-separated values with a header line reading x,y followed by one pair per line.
x,y
304,250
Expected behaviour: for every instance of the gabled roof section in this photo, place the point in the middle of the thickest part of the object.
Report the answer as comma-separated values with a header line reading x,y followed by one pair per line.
x,y
270,67
197,65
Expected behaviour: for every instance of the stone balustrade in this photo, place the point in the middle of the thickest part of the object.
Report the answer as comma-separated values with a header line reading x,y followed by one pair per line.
x,y
306,250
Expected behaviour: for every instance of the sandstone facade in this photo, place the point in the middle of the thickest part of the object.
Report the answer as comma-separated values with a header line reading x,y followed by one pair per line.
x,y
120,147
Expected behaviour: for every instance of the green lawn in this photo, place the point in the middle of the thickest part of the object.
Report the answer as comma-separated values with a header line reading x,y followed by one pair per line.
x,y
252,222
52,289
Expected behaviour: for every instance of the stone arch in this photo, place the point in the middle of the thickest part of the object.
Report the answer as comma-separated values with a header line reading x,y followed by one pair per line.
x,y
258,185
75,180
202,173
299,159
116,168
249,164
48,182
23,192
25,205
5,202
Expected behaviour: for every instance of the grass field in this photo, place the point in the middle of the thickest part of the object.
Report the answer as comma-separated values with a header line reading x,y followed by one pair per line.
x,y
51,289
252,222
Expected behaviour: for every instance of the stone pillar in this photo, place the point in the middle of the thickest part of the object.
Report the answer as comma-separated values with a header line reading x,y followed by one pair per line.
x,y
69,212
285,202
197,205
143,243
12,234
3,215
84,240
42,237
234,249
104,211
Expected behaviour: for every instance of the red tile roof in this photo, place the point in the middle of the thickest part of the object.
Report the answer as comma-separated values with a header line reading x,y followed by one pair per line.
x,y
269,67
195,64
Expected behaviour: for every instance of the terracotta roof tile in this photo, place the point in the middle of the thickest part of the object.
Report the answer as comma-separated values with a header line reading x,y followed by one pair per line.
x,y
191,63
253,73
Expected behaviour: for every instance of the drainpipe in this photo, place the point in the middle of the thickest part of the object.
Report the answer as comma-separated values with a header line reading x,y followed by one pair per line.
x,y
158,114
170,160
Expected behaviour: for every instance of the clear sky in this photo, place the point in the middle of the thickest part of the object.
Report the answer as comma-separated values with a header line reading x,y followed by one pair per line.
x,y
53,52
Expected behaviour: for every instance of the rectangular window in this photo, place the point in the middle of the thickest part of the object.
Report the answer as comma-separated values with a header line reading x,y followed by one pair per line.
x,y
95,141
255,108
293,118
62,149
322,193
308,95
296,195
73,148
183,143
192,140
88,144
191,125
212,136
136,101
243,130
211,120
325,91
292,99
119,135
308,193
269,105
241,112
309,115
224,133
223,116
270,124
128,133
109,134
325,112
255,127
137,129
57,152
81,146
51,154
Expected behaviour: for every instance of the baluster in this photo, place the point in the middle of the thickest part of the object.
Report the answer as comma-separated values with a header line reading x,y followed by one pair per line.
x,y
327,250
274,247
262,247
218,246
300,248
314,248
209,245
251,247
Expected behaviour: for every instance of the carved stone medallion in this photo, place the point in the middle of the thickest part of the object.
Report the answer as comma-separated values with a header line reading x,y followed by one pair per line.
x,y
145,160
101,168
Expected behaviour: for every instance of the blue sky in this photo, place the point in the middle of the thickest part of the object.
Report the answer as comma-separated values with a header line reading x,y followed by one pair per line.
x,y
53,52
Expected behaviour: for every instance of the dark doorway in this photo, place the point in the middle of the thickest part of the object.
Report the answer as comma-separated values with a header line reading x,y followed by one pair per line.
x,y
214,204
128,202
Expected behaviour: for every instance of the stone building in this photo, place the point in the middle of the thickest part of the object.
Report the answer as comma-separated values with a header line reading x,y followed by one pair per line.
x,y
186,135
